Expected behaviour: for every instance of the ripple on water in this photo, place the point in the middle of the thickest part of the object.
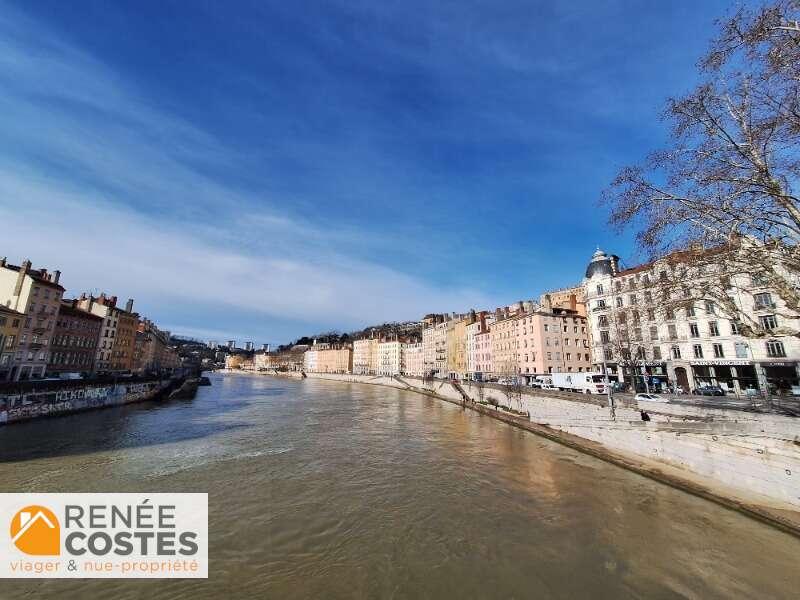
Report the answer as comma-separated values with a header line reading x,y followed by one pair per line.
x,y
328,490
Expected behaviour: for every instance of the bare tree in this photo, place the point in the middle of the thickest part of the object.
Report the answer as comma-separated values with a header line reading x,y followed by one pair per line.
x,y
511,384
721,201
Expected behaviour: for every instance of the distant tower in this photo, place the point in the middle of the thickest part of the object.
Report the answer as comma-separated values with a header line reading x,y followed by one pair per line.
x,y
265,347
248,346
231,344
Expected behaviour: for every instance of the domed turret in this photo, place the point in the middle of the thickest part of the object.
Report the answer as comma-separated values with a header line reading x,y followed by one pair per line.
x,y
601,264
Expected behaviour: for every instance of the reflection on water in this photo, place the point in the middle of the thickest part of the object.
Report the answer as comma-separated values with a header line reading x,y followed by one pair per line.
x,y
328,490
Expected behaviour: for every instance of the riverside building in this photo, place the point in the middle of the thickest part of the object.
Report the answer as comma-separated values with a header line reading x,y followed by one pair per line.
x,y
118,335
10,327
75,338
365,356
389,358
478,344
639,332
412,359
36,294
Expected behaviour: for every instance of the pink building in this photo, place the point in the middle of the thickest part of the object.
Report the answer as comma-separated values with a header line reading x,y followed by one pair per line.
x,y
556,341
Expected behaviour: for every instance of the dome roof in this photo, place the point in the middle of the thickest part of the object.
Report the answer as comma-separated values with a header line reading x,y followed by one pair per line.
x,y
601,264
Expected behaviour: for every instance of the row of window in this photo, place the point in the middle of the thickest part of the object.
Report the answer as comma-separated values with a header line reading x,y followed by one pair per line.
x,y
774,349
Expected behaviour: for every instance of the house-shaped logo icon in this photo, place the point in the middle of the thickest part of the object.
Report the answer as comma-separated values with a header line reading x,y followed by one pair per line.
x,y
35,530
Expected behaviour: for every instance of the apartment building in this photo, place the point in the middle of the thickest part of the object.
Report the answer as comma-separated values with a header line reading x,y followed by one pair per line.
x,y
552,341
389,358
36,294
152,351
412,359
440,347
73,348
118,335
478,344
335,360
504,342
429,348
457,348
10,328
641,328
365,356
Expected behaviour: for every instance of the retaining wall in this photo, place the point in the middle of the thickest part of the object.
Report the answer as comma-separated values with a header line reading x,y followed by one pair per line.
x,y
54,400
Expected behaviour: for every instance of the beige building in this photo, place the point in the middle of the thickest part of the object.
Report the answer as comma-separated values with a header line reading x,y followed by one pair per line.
x,y
335,360
265,361
571,298
239,360
429,348
152,351
365,356
389,358
412,359
37,294
457,348
504,342
115,351
440,348
10,328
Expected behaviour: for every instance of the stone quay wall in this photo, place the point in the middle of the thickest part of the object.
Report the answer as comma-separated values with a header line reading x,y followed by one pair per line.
x,y
35,402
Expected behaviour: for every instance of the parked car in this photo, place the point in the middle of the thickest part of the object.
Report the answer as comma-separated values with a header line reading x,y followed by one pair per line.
x,y
650,398
709,390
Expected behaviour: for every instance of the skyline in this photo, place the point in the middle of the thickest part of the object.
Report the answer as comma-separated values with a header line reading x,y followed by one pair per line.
x,y
296,175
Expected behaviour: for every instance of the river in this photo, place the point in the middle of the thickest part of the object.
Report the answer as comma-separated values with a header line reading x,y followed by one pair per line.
x,y
321,489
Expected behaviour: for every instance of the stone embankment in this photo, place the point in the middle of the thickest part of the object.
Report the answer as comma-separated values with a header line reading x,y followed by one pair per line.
x,y
744,460
37,399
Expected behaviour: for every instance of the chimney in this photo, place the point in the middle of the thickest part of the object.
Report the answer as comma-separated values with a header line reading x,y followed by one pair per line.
x,y
3,262
113,301
573,302
56,276
129,305
23,271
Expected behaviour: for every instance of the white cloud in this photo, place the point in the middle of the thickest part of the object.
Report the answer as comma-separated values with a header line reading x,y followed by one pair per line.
x,y
117,250
83,148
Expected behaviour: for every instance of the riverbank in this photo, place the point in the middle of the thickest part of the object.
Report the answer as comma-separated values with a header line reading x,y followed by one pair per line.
x,y
36,400
746,462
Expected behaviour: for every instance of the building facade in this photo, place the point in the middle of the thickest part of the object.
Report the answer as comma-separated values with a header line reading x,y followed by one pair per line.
x,y
643,332
457,348
334,360
10,328
36,294
478,344
75,338
555,341
389,358
365,356
152,350
412,359
118,335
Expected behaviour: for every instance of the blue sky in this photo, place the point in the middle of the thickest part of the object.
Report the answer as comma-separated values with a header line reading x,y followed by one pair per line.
x,y
262,170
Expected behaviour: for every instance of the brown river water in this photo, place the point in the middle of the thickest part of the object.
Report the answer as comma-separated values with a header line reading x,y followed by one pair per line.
x,y
324,489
